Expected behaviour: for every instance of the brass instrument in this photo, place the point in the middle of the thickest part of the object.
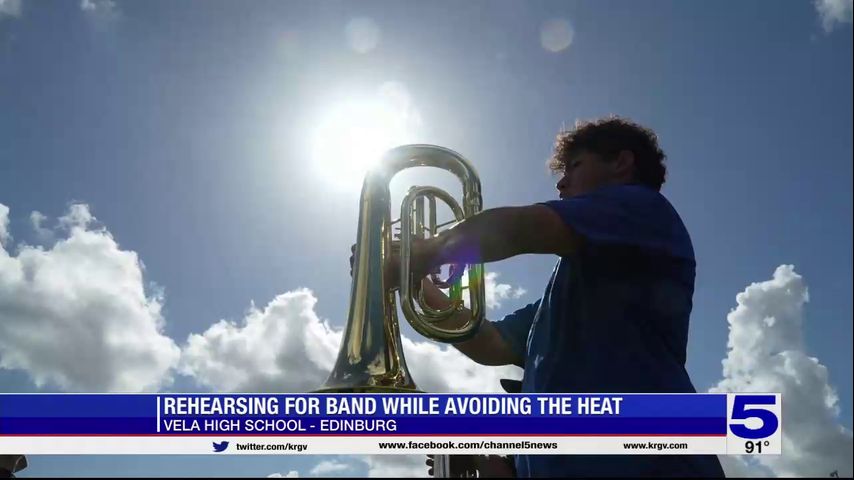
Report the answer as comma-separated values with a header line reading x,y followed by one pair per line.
x,y
371,357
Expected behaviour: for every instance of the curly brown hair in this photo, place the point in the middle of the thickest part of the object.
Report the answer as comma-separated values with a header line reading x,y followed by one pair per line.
x,y
607,137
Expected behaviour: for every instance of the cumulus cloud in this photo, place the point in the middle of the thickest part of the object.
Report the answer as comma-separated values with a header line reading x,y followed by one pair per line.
x,y
77,316
290,474
332,468
443,369
4,224
286,347
395,466
37,220
78,216
97,5
766,354
102,15
283,348
496,292
10,8
834,12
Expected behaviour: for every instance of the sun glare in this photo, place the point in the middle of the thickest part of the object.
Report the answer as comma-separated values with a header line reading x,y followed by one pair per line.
x,y
352,136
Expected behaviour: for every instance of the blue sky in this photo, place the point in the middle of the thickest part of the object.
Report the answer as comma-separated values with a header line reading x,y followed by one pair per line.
x,y
188,128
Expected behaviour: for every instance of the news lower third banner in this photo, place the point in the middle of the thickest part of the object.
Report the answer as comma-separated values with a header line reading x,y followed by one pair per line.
x,y
556,424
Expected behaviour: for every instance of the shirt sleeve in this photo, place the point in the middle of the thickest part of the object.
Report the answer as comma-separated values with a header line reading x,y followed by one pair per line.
x,y
626,214
514,327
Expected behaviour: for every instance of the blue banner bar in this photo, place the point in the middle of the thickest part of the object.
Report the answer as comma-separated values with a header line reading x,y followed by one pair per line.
x,y
365,414
364,425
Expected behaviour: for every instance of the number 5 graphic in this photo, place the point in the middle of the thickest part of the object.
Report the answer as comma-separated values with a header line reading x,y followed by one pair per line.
x,y
770,423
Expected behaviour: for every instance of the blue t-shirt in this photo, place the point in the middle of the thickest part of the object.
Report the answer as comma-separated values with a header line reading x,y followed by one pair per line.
x,y
613,319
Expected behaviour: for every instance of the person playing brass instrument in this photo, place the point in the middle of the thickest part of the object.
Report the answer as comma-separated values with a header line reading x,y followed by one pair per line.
x,y
614,315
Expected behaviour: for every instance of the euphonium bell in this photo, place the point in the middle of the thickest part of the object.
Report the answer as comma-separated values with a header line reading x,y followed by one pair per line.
x,y
371,356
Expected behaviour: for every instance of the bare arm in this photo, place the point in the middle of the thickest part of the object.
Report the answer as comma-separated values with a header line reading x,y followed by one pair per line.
x,y
489,236
487,347
496,234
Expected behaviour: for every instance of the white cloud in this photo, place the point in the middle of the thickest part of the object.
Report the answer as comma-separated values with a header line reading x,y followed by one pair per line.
x,y
4,224
395,466
11,8
834,12
102,15
286,348
766,354
87,290
78,216
97,5
77,317
443,369
332,468
37,220
290,474
283,348
495,292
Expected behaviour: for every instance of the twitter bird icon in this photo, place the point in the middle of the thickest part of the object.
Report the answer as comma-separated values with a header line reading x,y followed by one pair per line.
x,y
220,447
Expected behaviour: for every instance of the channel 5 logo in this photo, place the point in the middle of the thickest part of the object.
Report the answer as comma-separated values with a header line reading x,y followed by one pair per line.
x,y
755,416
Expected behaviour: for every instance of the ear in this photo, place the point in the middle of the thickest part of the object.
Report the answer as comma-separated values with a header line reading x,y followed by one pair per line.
x,y
624,165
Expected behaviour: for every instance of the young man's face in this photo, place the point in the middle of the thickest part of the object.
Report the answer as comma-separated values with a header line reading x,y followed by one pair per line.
x,y
586,171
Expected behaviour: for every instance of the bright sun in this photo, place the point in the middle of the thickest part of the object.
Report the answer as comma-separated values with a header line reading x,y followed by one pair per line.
x,y
353,135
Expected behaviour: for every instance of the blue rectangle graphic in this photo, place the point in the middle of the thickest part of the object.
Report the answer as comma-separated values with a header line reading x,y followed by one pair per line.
x,y
366,414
